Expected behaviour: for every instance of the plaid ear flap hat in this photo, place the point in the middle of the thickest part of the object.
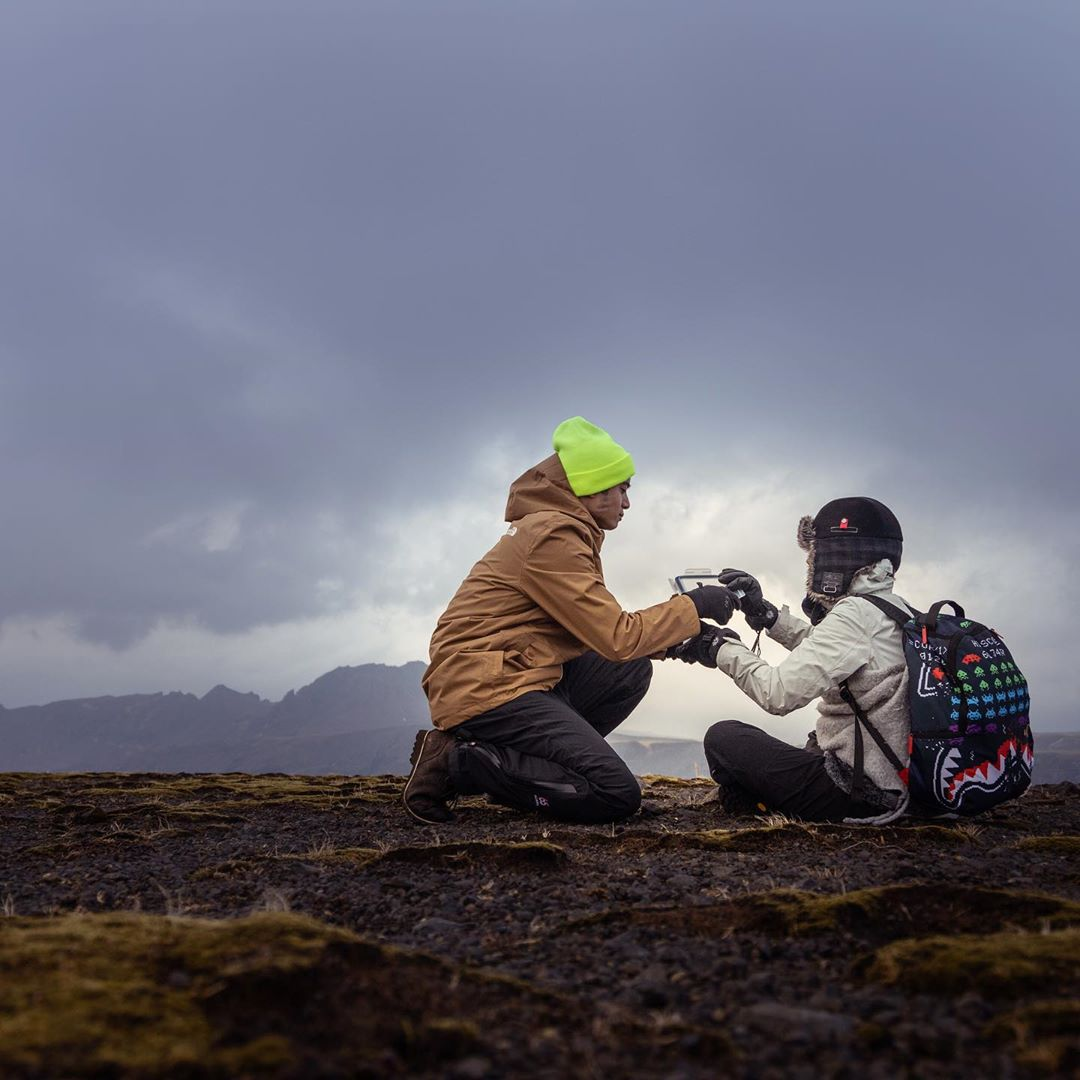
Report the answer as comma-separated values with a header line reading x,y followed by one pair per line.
x,y
846,536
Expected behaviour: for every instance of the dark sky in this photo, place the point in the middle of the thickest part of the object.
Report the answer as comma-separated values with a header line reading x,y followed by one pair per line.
x,y
290,291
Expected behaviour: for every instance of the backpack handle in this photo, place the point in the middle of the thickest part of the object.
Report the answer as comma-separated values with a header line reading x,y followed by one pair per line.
x,y
935,610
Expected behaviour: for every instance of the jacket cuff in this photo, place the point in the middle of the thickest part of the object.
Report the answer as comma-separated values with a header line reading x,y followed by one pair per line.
x,y
693,623
787,629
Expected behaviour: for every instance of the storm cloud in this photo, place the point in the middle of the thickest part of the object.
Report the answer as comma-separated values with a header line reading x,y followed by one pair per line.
x,y
290,292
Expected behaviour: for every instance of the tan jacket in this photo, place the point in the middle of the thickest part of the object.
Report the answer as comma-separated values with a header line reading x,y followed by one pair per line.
x,y
536,600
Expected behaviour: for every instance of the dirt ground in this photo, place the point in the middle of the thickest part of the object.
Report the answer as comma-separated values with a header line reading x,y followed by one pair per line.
x,y
233,925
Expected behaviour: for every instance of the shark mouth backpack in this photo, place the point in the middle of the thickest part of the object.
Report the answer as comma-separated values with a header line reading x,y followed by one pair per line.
x,y
971,746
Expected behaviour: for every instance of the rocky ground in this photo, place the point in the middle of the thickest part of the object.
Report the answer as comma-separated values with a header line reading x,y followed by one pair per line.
x,y
233,925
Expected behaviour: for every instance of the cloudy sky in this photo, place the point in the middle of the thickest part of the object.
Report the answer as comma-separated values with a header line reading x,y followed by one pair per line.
x,y
289,292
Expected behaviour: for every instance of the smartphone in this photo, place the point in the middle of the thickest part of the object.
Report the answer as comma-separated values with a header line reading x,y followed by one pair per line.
x,y
691,579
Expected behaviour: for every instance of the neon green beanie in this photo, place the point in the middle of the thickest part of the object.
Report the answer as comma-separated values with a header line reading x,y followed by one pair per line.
x,y
592,459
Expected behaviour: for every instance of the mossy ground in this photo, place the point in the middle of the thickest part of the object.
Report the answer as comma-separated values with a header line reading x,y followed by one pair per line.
x,y
129,993
1059,845
994,964
272,995
872,915
1045,1035
336,937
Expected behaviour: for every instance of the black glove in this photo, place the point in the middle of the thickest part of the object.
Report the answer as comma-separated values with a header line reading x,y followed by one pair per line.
x,y
714,602
814,610
703,648
760,614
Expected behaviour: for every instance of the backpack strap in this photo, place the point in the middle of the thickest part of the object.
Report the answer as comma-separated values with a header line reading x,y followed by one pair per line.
x,y
898,615
928,622
862,721
901,618
935,611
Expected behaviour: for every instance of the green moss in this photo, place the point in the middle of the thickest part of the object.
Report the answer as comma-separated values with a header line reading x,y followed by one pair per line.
x,y
1045,1035
759,838
201,802
530,853
1060,845
874,915
265,1054
993,964
658,780
224,793
438,1038
640,840
79,813
257,787
349,856
16,784
251,867
924,834
921,910
122,992
274,995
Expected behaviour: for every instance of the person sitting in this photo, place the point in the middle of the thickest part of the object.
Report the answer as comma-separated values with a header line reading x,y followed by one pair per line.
x,y
853,550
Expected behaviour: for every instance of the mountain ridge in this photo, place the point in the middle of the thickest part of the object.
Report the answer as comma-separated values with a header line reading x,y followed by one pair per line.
x,y
354,719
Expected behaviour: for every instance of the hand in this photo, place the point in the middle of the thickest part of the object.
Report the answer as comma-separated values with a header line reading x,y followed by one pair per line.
x,y
703,648
680,650
714,602
760,614
741,580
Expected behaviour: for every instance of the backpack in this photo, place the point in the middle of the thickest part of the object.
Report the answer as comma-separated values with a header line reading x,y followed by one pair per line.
x,y
970,746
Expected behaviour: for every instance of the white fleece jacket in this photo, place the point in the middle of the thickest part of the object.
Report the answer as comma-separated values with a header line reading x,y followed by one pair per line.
x,y
855,641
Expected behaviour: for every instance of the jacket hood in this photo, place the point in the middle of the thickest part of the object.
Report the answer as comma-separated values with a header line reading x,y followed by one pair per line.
x,y
545,487
873,579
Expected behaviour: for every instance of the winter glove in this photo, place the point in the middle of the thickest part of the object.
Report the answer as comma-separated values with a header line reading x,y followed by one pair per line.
x,y
703,648
714,602
760,614
814,610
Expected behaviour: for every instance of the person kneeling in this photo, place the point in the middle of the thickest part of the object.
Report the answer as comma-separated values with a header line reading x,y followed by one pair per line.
x,y
534,662
853,550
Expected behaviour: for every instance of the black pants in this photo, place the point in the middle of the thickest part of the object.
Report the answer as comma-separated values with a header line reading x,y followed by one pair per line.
x,y
743,758
546,750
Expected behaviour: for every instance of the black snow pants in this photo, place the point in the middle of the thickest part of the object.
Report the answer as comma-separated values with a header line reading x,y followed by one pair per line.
x,y
546,750
744,760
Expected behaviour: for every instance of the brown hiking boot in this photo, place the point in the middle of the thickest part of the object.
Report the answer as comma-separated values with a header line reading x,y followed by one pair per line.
x,y
429,787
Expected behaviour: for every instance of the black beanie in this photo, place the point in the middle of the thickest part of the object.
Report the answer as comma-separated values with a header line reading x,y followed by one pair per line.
x,y
846,536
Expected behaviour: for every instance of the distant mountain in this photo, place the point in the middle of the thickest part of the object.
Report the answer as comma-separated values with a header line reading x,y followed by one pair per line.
x,y
1057,757
647,754
354,720
350,699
